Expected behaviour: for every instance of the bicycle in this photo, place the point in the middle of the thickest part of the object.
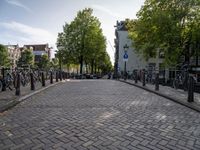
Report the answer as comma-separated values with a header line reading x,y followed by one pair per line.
x,y
7,82
181,80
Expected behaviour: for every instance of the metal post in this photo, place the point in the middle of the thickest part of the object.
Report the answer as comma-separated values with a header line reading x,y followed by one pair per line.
x,y
136,77
157,82
143,80
43,79
3,77
18,91
32,81
191,89
60,75
125,70
51,77
56,76
157,71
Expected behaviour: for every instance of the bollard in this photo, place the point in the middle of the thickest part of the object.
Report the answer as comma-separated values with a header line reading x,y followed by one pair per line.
x,y
51,77
43,79
191,89
32,81
3,77
157,82
18,91
143,80
60,75
136,77
56,76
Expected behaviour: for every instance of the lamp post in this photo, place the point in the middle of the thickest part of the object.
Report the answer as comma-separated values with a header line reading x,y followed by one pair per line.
x,y
157,70
125,58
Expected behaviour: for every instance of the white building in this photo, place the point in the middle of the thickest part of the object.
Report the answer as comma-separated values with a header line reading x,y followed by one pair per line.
x,y
135,60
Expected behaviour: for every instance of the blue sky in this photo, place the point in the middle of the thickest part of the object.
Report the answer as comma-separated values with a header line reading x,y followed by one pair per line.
x,y
39,21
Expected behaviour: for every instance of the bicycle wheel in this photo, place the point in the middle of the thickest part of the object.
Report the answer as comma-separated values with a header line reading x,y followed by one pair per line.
x,y
176,84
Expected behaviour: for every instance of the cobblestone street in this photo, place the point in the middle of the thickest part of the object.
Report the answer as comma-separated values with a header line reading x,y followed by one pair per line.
x,y
99,115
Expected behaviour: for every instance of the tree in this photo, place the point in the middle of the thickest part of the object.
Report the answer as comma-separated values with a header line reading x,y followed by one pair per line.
x,y
54,63
82,40
4,57
169,26
44,62
27,58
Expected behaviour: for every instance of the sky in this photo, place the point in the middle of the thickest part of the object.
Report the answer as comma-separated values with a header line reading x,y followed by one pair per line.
x,y
40,21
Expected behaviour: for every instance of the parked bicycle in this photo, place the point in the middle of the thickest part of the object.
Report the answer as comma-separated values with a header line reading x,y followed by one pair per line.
x,y
7,82
181,79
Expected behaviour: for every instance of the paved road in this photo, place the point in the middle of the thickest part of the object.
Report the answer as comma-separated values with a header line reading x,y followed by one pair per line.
x,y
99,115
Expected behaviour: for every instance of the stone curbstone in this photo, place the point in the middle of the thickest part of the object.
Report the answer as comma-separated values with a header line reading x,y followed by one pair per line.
x,y
189,105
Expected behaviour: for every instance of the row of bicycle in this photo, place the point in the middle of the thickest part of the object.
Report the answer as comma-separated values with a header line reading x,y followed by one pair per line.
x,y
8,78
178,80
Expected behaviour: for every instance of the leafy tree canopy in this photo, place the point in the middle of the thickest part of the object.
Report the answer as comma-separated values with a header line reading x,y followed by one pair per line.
x,y
27,58
173,27
82,40
4,56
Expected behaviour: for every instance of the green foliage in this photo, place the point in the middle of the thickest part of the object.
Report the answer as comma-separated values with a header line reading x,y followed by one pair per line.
x,y
44,62
27,58
54,63
82,41
171,26
4,58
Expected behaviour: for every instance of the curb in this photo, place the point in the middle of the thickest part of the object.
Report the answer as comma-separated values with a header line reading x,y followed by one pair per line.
x,y
189,105
16,101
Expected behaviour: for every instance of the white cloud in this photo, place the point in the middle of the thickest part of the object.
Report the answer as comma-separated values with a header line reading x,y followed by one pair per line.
x,y
108,11
19,4
28,33
18,33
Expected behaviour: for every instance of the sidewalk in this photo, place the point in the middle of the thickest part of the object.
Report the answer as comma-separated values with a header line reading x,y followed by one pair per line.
x,y
179,96
8,98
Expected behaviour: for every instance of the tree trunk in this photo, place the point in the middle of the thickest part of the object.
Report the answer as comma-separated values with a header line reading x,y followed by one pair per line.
x,y
187,54
81,64
86,65
95,68
197,54
92,65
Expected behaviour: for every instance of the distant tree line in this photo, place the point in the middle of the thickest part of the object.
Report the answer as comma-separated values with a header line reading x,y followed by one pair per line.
x,y
82,43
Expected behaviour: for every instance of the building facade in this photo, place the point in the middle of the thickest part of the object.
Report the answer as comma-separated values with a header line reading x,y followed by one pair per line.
x,y
14,54
39,50
135,60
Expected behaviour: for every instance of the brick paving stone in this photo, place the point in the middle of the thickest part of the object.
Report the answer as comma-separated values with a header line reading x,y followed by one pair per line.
x,y
163,142
99,115
88,143
9,96
135,142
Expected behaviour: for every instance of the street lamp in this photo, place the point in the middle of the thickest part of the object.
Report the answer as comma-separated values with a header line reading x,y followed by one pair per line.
x,y
125,58
157,70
